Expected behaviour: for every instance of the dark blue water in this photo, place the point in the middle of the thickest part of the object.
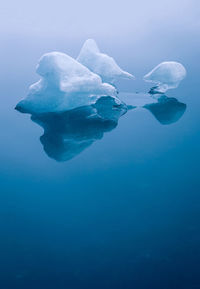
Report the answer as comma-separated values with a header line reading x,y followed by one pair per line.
x,y
123,212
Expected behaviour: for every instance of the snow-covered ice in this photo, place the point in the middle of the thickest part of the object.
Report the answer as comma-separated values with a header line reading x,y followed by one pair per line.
x,y
101,63
166,75
65,84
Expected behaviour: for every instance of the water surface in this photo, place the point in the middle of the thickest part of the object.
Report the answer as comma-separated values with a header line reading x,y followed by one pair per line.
x,y
122,211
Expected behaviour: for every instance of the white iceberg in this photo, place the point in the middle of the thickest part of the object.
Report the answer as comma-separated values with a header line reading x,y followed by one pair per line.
x,y
166,75
65,84
101,63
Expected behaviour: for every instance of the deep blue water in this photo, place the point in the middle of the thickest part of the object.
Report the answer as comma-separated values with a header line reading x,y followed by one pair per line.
x,y
122,214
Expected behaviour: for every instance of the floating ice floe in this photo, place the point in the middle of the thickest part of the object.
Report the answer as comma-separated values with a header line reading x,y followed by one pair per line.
x,y
101,63
65,84
67,134
166,75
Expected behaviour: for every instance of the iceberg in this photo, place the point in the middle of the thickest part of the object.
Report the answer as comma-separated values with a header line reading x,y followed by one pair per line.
x,y
65,84
167,110
166,75
67,134
101,63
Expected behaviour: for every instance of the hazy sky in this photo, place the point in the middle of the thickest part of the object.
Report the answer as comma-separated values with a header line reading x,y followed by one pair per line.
x,y
102,19
138,34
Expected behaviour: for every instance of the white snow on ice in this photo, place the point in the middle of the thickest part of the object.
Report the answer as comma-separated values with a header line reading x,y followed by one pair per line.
x,y
65,84
101,63
166,75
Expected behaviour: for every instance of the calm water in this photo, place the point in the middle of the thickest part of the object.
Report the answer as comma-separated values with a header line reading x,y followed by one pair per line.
x,y
124,211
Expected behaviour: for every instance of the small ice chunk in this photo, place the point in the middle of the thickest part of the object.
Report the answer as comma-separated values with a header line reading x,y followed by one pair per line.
x,y
101,63
65,84
166,75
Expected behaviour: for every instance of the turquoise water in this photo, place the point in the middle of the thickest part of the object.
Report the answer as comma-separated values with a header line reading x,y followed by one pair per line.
x,y
122,210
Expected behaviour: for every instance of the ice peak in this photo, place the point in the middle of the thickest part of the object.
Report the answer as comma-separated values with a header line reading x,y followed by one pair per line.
x,y
101,63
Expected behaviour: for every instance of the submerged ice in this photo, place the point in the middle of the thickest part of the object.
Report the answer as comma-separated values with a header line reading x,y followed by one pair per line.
x,y
65,84
166,110
166,75
101,63
67,134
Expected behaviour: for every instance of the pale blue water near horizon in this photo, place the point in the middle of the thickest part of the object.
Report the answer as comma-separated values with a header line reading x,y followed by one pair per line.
x,y
124,213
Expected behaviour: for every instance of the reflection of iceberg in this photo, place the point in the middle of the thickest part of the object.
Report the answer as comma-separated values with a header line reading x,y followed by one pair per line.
x,y
167,110
166,75
66,134
101,63
64,84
